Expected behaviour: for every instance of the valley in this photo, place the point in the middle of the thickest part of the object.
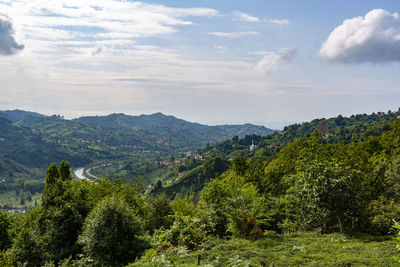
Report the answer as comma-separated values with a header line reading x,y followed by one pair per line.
x,y
275,198
134,148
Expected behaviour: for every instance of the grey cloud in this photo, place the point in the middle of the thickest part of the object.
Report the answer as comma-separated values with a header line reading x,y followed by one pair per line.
x,y
96,51
8,44
371,38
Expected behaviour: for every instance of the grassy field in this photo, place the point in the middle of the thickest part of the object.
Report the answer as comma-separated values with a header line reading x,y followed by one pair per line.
x,y
9,200
301,249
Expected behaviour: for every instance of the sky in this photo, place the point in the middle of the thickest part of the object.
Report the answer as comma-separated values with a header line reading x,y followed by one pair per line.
x,y
266,62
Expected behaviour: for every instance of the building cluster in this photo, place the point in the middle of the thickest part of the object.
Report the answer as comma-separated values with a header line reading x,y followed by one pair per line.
x,y
193,154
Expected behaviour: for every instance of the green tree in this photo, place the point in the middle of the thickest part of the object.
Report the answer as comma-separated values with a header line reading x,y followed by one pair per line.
x,y
112,233
27,246
159,212
5,239
239,165
329,193
51,231
236,203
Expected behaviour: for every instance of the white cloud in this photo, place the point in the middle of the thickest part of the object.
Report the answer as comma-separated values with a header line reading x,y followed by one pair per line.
x,y
98,21
371,38
273,61
8,44
259,53
233,34
245,17
221,48
279,21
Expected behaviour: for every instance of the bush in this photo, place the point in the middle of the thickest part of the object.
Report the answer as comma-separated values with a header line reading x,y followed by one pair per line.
x,y
112,233
188,232
382,212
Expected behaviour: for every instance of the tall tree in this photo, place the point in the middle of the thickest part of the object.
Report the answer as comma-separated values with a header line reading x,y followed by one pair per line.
x,y
111,234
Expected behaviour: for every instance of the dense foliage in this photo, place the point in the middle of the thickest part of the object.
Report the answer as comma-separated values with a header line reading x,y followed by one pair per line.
x,y
122,145
312,185
111,234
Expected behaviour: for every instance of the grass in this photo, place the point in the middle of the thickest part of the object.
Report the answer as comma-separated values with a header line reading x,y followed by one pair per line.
x,y
301,249
10,201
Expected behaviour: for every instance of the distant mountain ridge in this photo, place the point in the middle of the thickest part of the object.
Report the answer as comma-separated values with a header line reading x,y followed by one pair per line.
x,y
17,114
153,122
99,134
170,125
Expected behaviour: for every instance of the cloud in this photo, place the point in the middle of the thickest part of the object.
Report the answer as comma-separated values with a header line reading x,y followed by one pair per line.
x,y
233,34
63,21
259,53
245,17
371,38
96,51
273,61
221,48
279,21
8,44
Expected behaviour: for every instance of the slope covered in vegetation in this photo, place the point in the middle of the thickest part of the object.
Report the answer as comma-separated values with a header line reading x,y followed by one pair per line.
x,y
284,211
353,129
126,145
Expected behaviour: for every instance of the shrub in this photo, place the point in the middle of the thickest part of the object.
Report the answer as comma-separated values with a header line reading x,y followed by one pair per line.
x,y
112,233
382,212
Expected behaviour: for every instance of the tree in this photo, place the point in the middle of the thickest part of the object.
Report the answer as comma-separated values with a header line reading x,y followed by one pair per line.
x,y
112,233
339,120
5,239
235,204
159,212
329,192
51,231
27,246
239,165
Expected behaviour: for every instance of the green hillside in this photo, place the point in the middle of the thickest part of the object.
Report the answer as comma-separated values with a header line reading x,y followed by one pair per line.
x,y
16,115
120,145
314,203
328,197
356,128
173,130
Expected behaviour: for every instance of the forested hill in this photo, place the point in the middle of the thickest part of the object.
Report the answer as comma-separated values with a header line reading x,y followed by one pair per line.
x,y
190,134
16,115
356,128
30,141
167,131
25,155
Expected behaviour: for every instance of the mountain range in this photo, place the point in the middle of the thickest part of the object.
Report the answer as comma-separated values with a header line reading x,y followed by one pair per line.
x,y
30,141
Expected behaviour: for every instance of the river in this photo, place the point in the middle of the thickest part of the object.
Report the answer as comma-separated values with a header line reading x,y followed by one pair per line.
x,y
78,172
82,174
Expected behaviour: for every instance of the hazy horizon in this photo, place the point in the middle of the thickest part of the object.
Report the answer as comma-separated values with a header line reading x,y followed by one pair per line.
x,y
270,125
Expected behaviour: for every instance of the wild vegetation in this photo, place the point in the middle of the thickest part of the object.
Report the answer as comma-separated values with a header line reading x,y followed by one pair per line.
x,y
320,200
127,145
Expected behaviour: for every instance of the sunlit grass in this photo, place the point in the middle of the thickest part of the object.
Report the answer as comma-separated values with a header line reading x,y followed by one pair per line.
x,y
301,249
